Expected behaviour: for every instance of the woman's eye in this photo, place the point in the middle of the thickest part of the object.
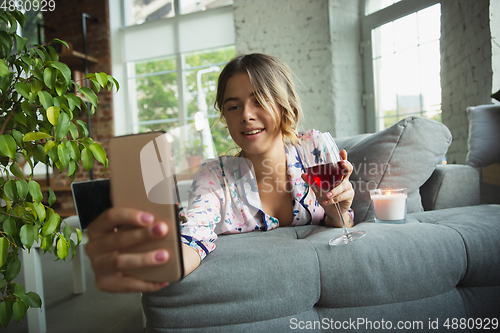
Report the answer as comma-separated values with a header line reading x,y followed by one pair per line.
x,y
233,107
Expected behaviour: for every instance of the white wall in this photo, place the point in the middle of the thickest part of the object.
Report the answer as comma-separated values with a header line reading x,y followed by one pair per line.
x,y
319,40
495,43
466,74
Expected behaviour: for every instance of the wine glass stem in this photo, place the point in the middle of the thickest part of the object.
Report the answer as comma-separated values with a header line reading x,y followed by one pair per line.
x,y
344,228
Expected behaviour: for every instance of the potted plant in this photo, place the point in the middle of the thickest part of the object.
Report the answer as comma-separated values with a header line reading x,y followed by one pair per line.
x,y
39,123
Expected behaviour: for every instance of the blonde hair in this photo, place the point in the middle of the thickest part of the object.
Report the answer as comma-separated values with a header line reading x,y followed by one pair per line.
x,y
272,84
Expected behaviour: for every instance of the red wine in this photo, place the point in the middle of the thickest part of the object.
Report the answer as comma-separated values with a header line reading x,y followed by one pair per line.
x,y
326,176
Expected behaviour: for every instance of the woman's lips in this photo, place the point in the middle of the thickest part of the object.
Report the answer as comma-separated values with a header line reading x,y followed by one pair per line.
x,y
253,132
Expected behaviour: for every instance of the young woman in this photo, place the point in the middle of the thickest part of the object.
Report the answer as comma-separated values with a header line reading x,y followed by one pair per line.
x,y
260,189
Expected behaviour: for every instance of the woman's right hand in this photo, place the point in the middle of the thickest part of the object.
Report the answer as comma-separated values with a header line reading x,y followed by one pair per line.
x,y
114,230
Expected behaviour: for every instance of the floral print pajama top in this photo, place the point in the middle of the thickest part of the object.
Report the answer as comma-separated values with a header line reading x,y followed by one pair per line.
x,y
224,199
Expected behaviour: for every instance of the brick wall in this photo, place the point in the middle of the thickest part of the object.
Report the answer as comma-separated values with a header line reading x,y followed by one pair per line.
x,y
66,19
316,39
466,71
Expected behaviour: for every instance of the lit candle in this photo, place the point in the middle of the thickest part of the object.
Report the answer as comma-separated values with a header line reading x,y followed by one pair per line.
x,y
389,204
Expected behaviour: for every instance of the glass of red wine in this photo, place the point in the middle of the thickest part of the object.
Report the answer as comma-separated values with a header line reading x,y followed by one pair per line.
x,y
324,169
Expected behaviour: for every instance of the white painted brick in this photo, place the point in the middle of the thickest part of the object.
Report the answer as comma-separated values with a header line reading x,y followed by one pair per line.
x,y
465,68
319,40
311,37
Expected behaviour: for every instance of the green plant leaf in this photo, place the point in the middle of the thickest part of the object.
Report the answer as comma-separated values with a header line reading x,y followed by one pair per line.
x,y
20,117
73,129
22,89
2,284
25,106
64,69
67,232
114,81
22,188
52,154
5,313
12,270
61,88
46,243
19,310
90,95
53,115
83,126
18,137
45,99
50,225
8,146
4,68
72,167
39,154
36,86
63,126
27,236
63,153
35,301
52,197
98,152
78,236
49,77
21,43
102,78
87,158
9,226
4,250
13,24
10,190
16,171
73,101
74,150
62,248
53,53
48,146
61,41
34,136
35,191
40,210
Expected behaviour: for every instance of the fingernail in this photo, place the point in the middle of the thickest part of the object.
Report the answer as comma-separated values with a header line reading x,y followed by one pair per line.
x,y
163,284
158,229
161,256
147,218
329,194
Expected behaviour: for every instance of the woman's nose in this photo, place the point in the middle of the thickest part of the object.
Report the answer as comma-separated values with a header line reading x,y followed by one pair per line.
x,y
248,112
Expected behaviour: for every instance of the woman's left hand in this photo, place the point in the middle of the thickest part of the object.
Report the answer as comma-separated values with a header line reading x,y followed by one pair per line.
x,y
343,194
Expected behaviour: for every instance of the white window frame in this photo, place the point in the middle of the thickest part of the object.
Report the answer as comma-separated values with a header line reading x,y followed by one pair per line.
x,y
368,23
170,37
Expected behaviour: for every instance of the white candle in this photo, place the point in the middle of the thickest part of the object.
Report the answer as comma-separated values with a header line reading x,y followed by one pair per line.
x,y
390,205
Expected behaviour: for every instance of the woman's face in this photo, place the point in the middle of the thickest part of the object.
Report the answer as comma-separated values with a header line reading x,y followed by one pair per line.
x,y
250,125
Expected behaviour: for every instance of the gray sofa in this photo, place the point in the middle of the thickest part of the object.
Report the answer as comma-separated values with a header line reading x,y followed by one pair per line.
x,y
432,273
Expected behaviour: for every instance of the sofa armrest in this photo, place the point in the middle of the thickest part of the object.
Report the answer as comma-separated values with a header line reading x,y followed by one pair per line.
x,y
451,185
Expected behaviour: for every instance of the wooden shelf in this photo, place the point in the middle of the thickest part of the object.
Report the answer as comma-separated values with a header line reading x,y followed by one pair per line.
x,y
75,59
57,188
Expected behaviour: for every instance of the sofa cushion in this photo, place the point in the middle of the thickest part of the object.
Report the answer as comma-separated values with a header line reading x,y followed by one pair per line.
x,y
484,135
255,276
401,156
266,281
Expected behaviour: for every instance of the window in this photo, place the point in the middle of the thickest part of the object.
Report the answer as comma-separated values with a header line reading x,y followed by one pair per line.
x,y
154,92
167,59
141,11
373,6
404,62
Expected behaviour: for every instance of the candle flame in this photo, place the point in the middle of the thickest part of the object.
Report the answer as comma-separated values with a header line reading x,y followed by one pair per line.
x,y
388,193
